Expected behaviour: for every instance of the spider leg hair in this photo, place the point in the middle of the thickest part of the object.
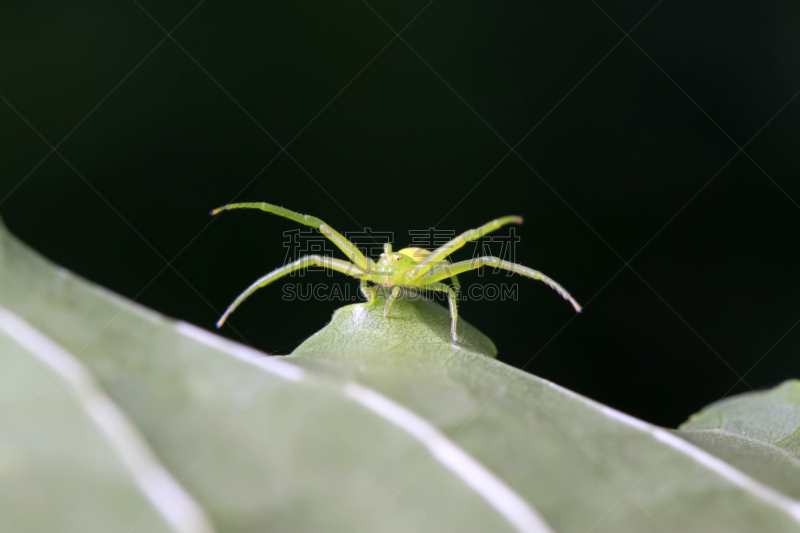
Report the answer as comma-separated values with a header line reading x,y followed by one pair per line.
x,y
452,296
304,262
451,246
447,271
350,249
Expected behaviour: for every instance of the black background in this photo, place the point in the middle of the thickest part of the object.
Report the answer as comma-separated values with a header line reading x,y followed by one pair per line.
x,y
625,150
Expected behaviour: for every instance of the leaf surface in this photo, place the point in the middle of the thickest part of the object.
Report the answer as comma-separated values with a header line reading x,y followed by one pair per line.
x,y
372,425
55,462
758,432
557,449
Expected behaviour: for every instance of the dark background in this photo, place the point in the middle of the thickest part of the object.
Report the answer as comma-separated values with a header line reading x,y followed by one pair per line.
x,y
626,149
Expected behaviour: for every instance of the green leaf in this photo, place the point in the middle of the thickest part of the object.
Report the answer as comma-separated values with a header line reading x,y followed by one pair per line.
x,y
757,432
55,463
416,327
554,447
261,445
372,425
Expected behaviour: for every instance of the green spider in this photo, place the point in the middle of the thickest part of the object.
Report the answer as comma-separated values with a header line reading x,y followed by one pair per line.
x,y
410,268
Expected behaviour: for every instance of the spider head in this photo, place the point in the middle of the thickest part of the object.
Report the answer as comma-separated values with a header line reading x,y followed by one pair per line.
x,y
387,257
391,268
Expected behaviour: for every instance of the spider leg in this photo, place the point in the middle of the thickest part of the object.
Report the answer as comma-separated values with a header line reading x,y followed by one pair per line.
x,y
390,300
304,262
453,279
350,249
447,271
452,296
368,292
449,247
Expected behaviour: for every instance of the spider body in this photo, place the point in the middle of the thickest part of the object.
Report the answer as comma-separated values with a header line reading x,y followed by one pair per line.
x,y
409,268
395,268
391,268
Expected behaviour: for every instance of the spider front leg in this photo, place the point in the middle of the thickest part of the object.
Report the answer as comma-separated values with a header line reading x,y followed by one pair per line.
x,y
446,271
304,262
369,292
350,249
448,248
390,301
452,296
